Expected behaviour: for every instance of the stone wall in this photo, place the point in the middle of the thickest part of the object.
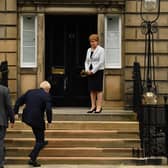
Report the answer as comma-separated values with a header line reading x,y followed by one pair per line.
x,y
134,47
8,41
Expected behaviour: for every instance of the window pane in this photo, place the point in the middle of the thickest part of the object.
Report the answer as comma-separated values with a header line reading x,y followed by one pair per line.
x,y
28,22
28,54
113,56
28,38
113,40
113,23
28,42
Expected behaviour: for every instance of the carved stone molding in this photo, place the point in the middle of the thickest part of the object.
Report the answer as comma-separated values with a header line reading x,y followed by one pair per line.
x,y
106,3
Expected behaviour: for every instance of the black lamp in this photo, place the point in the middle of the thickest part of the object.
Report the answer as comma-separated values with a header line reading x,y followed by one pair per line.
x,y
150,4
150,12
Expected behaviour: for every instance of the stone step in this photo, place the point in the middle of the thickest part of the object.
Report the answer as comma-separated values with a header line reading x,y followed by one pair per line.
x,y
75,134
87,125
77,142
79,138
72,152
80,160
80,114
115,116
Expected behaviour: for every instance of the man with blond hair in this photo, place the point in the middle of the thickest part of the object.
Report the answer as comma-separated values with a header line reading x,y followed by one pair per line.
x,y
36,102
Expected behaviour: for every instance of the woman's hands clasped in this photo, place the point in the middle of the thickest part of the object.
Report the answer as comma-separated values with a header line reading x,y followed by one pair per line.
x,y
89,73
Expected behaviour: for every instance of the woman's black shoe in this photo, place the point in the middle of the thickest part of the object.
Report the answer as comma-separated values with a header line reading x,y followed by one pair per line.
x,y
99,111
91,111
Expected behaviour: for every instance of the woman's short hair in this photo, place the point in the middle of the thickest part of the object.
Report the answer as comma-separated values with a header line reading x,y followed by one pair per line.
x,y
94,37
45,85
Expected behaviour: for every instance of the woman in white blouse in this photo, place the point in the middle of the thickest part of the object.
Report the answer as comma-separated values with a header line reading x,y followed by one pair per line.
x,y
94,66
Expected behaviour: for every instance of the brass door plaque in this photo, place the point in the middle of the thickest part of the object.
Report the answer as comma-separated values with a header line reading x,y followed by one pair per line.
x,y
57,71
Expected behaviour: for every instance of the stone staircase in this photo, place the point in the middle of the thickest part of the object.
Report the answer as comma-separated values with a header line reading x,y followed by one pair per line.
x,y
80,138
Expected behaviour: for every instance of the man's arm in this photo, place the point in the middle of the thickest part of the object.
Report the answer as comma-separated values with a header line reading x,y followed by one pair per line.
x,y
20,101
49,109
9,107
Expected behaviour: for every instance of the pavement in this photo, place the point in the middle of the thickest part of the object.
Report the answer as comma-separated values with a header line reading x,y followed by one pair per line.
x,y
85,166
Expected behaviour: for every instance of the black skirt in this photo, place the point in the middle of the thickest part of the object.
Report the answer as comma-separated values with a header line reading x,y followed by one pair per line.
x,y
95,81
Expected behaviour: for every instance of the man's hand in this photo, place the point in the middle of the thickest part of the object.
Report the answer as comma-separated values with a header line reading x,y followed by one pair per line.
x,y
11,125
49,125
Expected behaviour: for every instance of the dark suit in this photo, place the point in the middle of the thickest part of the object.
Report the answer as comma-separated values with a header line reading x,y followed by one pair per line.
x,y
36,102
6,114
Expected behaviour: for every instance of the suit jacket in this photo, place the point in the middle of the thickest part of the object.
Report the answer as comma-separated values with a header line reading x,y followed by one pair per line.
x,y
6,112
36,102
97,59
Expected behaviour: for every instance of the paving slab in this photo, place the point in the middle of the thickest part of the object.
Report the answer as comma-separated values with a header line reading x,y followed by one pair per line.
x,y
85,166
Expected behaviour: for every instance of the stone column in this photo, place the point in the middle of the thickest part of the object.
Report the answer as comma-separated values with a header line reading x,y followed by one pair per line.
x,y
40,47
100,26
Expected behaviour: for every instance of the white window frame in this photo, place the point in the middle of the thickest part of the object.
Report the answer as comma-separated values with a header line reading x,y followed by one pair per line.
x,y
114,66
22,63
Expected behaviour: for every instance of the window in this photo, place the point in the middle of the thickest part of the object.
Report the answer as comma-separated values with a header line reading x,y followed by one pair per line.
x,y
113,42
28,41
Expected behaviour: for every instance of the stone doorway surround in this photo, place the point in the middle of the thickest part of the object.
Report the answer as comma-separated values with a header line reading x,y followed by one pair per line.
x,y
113,81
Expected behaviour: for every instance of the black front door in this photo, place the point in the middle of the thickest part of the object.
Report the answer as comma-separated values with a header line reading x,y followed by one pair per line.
x,y
66,46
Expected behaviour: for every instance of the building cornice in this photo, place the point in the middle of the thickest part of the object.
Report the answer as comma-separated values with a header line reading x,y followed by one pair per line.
x,y
113,3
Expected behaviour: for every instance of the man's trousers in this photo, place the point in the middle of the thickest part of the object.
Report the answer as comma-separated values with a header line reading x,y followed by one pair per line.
x,y
39,144
2,146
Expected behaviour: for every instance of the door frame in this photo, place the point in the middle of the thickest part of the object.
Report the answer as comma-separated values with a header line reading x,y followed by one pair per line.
x,y
41,46
80,65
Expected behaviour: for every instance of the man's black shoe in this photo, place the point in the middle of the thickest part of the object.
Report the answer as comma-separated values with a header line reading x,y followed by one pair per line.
x,y
45,143
33,163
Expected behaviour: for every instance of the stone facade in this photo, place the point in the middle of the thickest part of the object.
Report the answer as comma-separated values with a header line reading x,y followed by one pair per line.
x,y
113,96
134,47
8,41
117,82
